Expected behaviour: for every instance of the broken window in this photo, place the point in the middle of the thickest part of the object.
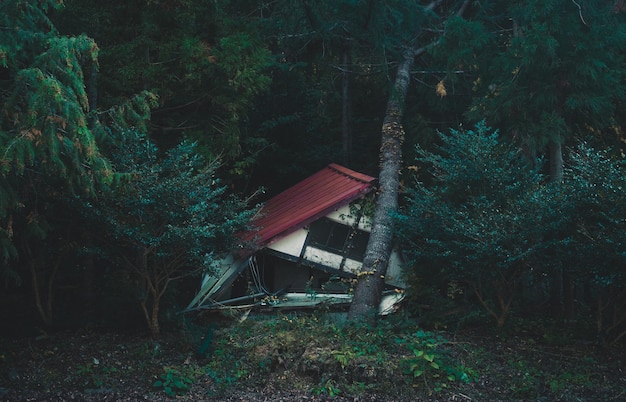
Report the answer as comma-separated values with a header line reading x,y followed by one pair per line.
x,y
337,238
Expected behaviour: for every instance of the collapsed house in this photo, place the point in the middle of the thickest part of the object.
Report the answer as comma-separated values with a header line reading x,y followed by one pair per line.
x,y
305,248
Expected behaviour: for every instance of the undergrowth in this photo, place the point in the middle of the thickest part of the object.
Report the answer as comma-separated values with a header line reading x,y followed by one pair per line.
x,y
393,360
338,359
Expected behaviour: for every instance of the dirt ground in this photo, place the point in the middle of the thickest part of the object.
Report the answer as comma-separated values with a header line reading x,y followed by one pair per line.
x,y
88,366
92,366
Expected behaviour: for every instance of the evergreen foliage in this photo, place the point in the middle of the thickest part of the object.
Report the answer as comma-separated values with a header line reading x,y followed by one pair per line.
x,y
169,218
43,133
319,45
538,72
596,188
484,218
93,94
476,218
535,71
50,141
204,60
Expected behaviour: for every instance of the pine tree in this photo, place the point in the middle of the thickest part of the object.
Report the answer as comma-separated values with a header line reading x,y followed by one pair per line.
x,y
205,60
595,189
543,71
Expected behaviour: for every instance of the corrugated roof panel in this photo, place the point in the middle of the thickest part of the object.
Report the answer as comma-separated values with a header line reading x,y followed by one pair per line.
x,y
314,197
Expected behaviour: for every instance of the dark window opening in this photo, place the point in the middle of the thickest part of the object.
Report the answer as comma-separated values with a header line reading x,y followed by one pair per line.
x,y
334,237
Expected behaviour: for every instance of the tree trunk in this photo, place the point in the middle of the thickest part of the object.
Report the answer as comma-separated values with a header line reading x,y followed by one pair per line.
x,y
149,301
43,284
556,161
43,300
155,327
150,307
558,297
346,104
371,279
90,284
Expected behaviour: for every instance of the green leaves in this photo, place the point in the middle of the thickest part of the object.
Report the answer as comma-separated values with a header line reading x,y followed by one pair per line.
x,y
48,107
205,60
484,217
430,361
596,192
243,60
48,146
173,382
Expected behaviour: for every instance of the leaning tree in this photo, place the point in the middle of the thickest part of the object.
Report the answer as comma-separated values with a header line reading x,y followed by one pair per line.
x,y
417,39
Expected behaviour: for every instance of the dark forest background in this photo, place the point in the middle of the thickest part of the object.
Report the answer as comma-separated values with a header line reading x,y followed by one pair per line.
x,y
138,136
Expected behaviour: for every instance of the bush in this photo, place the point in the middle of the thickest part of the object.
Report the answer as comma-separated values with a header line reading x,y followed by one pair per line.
x,y
337,359
483,221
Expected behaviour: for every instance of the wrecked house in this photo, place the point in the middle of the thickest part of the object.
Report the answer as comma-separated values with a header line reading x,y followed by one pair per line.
x,y
305,249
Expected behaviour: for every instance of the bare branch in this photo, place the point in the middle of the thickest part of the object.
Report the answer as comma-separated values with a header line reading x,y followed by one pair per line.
x,y
463,8
580,12
433,4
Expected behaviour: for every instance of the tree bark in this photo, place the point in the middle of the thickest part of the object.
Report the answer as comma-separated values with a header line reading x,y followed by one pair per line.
x,y
371,279
151,313
561,304
43,284
556,162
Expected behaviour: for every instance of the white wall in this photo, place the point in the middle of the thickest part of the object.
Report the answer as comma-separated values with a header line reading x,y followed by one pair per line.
x,y
293,244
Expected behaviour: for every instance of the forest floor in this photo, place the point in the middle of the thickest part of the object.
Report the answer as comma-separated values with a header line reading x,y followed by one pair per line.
x,y
90,365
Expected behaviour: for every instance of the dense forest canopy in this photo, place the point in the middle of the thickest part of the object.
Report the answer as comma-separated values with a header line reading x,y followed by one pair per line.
x,y
511,185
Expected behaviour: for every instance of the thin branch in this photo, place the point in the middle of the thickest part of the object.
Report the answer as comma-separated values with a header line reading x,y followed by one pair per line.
x,y
463,8
617,338
580,12
163,128
437,72
155,63
481,300
169,109
433,4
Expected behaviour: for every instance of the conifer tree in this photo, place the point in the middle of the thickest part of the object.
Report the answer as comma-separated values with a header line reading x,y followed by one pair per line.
x,y
477,222
204,59
168,219
542,71
49,135
595,183
545,73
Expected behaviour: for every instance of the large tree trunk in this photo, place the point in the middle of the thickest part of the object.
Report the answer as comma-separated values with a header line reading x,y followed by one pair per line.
x,y
371,279
43,291
150,307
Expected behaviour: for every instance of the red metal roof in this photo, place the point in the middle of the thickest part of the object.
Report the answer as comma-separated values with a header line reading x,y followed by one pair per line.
x,y
314,197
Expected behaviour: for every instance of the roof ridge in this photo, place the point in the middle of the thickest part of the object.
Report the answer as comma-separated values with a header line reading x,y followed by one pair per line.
x,y
353,174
